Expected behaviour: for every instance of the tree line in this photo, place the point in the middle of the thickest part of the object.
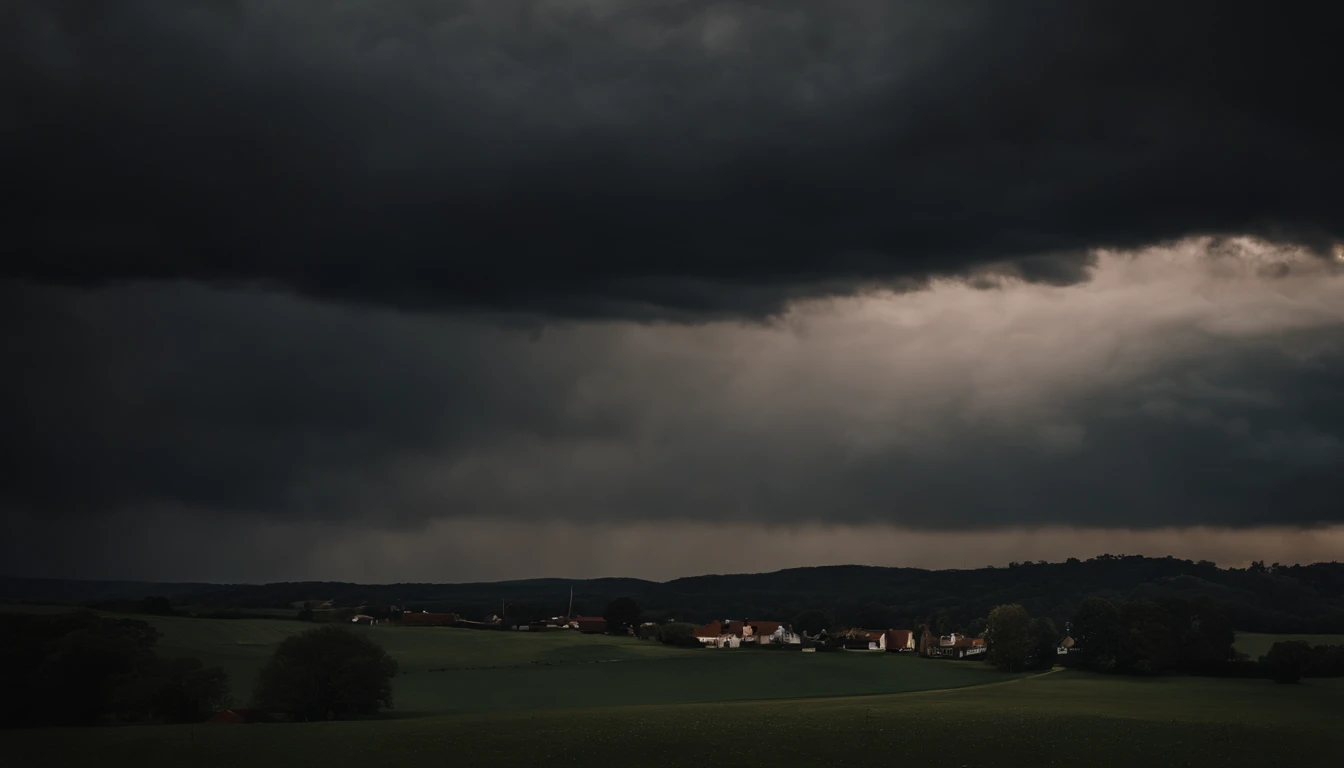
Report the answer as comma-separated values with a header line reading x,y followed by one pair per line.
x,y
80,669
73,669
1260,598
1150,638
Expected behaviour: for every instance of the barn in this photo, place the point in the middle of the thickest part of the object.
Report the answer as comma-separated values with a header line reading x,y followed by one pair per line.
x,y
590,625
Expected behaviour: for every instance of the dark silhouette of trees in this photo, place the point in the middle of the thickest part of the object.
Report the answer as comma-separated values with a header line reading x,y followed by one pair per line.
x,y
621,614
1149,638
1287,661
1098,633
185,691
1043,639
327,673
680,634
1306,599
1008,638
812,622
874,615
79,669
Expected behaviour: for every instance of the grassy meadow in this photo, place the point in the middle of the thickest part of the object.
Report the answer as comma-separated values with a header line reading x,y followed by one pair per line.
x,y
478,698
1057,719
455,671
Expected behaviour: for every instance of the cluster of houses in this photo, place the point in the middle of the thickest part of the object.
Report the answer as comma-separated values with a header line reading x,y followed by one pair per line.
x,y
734,634
590,625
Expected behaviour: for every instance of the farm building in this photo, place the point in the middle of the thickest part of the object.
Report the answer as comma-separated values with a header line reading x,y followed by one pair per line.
x,y
426,619
955,645
732,634
241,717
893,640
773,633
589,625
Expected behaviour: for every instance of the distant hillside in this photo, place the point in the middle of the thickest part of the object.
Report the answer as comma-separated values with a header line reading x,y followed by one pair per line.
x,y
1297,598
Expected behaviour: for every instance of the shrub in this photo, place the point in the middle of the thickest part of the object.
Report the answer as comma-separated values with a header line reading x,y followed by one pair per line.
x,y
328,673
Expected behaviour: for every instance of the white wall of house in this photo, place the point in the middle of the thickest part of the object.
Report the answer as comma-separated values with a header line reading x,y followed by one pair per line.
x,y
780,636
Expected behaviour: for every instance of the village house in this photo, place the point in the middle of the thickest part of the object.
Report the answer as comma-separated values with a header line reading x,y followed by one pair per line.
x,y
893,640
720,634
732,634
589,625
955,645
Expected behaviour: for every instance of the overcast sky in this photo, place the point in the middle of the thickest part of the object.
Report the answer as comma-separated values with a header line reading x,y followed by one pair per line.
x,y
427,290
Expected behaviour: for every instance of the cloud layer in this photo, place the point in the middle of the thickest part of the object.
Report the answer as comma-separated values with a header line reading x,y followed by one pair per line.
x,y
1192,385
652,158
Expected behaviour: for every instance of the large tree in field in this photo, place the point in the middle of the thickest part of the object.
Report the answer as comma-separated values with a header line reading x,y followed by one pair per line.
x,y
1008,638
329,673
621,613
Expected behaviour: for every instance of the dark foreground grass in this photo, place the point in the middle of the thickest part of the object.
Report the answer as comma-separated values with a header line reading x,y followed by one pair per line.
x,y
1061,719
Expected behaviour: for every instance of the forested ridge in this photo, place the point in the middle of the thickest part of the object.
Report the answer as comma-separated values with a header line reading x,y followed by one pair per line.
x,y
1260,598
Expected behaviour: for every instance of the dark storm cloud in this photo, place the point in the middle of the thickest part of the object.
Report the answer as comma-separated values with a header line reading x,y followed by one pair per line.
x,y
672,159
1173,389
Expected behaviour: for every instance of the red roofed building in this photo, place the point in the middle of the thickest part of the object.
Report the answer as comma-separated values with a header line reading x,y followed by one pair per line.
x,y
731,634
898,640
709,632
893,640
956,645
589,625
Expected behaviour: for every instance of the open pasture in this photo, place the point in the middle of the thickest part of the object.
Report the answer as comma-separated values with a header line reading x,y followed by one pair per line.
x,y
1058,719
458,671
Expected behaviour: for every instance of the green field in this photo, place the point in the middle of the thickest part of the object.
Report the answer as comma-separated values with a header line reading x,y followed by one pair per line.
x,y
1255,645
1059,719
468,697
458,671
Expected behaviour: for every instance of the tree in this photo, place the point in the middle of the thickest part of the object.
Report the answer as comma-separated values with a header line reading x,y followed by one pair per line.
x,y
811,622
78,669
157,606
874,616
977,627
679,634
1098,633
1288,660
621,613
519,613
1009,642
185,691
1146,646
325,674
1044,639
